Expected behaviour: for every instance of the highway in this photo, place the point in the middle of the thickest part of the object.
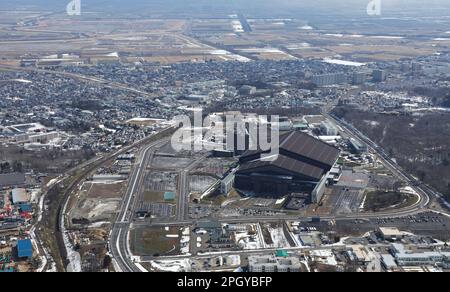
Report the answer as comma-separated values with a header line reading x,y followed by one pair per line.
x,y
183,190
252,219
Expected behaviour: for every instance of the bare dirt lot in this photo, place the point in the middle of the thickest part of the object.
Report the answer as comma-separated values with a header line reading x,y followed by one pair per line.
x,y
99,190
97,202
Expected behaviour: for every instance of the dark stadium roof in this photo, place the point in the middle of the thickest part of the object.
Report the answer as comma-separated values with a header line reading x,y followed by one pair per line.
x,y
310,147
286,163
304,146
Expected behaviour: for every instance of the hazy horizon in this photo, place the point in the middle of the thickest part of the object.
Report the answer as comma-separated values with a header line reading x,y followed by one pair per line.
x,y
255,8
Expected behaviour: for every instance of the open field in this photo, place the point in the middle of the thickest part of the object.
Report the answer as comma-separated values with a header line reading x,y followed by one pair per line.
x,y
97,202
178,39
155,241
379,201
99,190
153,197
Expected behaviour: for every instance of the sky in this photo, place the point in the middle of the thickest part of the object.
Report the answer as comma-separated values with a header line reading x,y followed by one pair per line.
x,y
256,7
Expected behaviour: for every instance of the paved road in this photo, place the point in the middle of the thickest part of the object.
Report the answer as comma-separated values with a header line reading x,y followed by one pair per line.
x,y
86,78
424,191
183,190
119,237
183,195
256,252
118,242
277,218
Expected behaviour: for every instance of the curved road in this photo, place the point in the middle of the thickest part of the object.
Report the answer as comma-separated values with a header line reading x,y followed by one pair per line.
x,y
119,237
119,241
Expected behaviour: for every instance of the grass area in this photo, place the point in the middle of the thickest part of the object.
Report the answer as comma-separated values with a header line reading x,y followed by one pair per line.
x,y
219,199
154,197
350,164
154,241
378,200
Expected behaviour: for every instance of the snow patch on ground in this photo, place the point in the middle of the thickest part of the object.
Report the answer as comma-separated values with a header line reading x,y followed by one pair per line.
x,y
280,201
99,224
248,242
343,62
408,190
52,182
278,238
172,266
184,242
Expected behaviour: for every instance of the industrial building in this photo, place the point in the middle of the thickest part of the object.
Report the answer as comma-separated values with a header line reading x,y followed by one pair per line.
x,y
24,248
12,180
388,262
357,147
20,196
406,257
301,166
328,129
169,196
220,237
390,233
272,263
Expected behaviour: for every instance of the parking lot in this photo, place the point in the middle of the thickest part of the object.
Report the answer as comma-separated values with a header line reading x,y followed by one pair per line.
x,y
161,181
347,200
